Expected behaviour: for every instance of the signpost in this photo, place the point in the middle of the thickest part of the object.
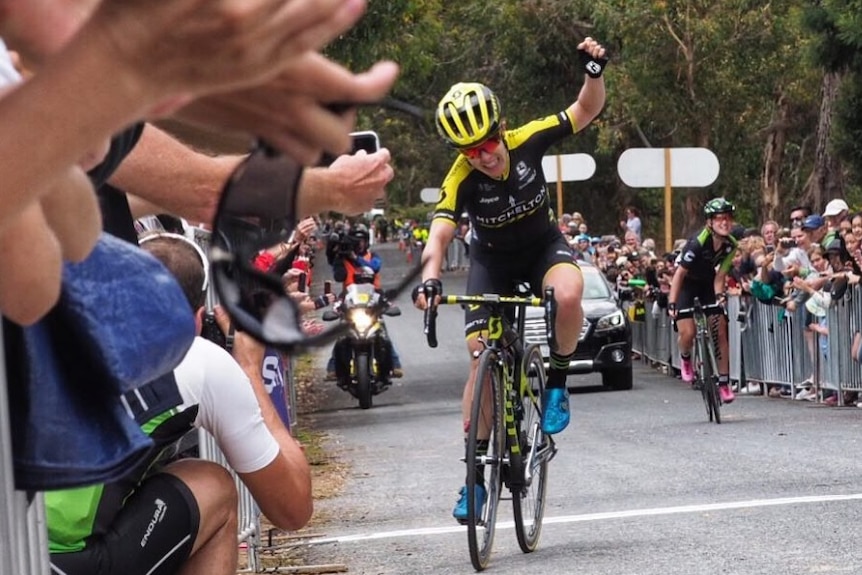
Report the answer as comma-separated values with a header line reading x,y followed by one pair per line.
x,y
567,168
668,168
429,195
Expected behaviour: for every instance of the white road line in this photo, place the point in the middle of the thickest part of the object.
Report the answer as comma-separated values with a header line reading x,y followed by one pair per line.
x,y
599,517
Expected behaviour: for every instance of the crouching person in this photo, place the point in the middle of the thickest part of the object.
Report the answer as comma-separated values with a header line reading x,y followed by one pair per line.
x,y
181,517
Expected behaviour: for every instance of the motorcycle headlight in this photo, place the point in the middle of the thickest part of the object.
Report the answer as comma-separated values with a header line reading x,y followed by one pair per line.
x,y
361,320
610,321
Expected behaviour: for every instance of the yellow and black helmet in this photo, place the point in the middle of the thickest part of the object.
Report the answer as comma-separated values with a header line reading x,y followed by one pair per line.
x,y
468,114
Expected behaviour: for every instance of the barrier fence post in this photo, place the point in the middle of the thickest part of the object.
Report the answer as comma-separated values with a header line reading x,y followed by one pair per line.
x,y
23,539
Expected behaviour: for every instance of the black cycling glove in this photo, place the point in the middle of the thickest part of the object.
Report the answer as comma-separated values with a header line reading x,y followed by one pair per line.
x,y
593,66
433,283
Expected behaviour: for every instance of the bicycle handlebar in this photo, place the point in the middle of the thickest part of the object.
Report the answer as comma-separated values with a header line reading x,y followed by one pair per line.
x,y
430,327
430,321
707,310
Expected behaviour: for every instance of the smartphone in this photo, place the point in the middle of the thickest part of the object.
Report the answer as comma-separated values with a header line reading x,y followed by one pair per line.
x,y
303,278
327,287
366,140
770,249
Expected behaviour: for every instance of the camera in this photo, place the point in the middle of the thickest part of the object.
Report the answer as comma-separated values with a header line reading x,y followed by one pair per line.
x,y
342,244
339,246
788,243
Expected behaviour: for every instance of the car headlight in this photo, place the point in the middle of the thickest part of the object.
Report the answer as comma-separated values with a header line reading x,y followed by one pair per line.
x,y
361,320
611,321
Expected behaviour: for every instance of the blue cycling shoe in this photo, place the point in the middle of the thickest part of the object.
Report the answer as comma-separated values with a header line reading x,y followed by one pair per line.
x,y
460,511
555,410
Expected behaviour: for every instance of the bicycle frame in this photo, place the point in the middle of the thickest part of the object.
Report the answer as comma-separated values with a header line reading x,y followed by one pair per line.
x,y
705,355
502,364
498,325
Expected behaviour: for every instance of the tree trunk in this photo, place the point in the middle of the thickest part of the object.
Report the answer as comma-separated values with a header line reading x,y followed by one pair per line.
x,y
826,181
695,198
773,156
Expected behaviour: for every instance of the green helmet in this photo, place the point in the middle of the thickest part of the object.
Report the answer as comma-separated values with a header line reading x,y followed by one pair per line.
x,y
717,206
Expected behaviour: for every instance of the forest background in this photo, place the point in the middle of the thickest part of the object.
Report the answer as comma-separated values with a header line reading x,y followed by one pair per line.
x,y
774,89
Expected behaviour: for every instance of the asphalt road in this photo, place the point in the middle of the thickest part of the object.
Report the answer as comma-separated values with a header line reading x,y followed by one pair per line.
x,y
642,484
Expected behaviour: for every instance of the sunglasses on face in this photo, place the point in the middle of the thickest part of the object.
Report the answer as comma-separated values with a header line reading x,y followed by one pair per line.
x,y
488,146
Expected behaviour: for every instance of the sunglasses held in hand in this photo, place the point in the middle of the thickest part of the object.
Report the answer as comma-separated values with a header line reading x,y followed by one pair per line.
x,y
256,214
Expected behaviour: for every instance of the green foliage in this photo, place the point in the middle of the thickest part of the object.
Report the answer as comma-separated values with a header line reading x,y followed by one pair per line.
x,y
848,136
683,73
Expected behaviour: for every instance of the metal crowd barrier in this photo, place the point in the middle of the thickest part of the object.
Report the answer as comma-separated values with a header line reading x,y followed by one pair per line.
x,y
456,256
770,345
248,512
23,536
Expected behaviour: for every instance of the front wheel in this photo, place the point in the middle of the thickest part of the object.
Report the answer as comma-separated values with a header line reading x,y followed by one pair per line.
x,y
364,390
712,384
707,380
486,421
536,451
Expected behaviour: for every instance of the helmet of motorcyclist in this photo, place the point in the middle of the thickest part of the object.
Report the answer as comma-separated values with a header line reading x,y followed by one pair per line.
x,y
717,206
468,114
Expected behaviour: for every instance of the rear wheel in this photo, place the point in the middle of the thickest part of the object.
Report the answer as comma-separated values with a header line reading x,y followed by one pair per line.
x,y
485,416
363,380
536,449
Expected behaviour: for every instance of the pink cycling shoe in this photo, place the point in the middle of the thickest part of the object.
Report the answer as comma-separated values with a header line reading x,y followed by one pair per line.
x,y
726,394
686,370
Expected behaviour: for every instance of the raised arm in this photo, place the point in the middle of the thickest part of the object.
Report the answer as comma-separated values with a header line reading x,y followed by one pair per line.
x,y
591,98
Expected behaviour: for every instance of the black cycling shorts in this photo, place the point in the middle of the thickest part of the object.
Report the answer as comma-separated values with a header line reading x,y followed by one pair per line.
x,y
498,273
690,289
153,534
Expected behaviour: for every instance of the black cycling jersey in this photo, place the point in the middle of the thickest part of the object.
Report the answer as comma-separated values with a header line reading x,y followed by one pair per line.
x,y
504,212
702,260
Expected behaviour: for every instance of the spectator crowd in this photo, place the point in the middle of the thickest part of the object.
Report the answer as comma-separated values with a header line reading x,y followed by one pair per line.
x,y
802,264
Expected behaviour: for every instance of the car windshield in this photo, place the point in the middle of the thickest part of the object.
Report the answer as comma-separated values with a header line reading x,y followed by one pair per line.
x,y
595,286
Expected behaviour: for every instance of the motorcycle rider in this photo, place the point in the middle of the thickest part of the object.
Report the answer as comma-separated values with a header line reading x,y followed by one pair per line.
x,y
360,265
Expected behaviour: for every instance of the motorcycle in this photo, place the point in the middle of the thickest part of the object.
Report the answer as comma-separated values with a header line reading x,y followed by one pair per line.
x,y
363,357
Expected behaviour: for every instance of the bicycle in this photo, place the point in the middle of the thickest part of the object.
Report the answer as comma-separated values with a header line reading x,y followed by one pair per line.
x,y
705,363
506,399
